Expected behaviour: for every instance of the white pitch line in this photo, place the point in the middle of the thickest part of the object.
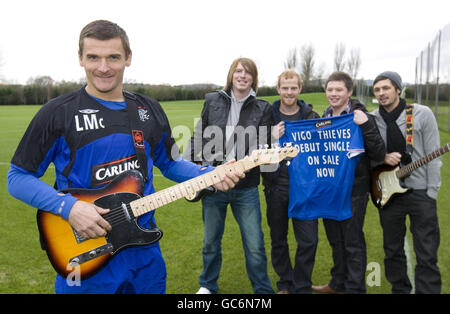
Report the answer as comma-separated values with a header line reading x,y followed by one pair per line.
x,y
410,270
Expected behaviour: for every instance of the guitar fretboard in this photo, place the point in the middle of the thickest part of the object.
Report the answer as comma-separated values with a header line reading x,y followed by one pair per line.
x,y
188,188
406,170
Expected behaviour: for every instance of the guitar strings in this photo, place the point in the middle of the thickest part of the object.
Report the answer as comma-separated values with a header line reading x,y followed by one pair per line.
x,y
117,215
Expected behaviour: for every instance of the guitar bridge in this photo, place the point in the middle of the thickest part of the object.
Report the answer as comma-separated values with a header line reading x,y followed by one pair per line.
x,y
87,256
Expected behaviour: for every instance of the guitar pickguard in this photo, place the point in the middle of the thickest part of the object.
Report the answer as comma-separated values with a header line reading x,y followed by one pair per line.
x,y
390,185
126,230
385,183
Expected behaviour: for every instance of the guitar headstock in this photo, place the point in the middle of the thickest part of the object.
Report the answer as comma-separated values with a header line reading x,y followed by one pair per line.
x,y
274,155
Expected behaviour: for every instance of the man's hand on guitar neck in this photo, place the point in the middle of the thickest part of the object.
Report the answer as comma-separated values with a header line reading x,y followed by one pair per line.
x,y
86,219
392,159
230,179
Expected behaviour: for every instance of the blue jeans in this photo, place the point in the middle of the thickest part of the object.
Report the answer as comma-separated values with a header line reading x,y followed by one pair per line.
x,y
246,210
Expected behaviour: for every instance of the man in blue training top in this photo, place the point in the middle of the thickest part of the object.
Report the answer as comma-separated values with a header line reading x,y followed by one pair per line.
x,y
85,132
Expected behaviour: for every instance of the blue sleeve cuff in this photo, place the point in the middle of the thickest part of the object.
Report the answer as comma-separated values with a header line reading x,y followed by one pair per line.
x,y
181,170
66,205
27,188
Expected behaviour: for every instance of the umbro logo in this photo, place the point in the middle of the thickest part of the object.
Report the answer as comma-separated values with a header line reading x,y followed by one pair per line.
x,y
88,111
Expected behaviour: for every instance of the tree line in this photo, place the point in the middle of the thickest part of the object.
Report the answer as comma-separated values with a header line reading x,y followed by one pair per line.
x,y
39,90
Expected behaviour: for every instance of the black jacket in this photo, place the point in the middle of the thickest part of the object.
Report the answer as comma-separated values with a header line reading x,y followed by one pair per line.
x,y
374,150
306,110
210,147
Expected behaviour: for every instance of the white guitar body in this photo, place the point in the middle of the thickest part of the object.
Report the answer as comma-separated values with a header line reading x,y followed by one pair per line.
x,y
389,184
386,179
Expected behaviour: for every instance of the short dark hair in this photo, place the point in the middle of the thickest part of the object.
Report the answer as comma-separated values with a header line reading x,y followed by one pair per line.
x,y
341,76
104,30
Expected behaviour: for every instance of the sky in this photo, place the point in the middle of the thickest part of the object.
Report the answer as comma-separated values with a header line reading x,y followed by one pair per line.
x,y
195,41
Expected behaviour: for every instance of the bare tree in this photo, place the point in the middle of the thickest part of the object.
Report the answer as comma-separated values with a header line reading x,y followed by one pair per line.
x,y
354,62
339,53
319,73
292,59
307,56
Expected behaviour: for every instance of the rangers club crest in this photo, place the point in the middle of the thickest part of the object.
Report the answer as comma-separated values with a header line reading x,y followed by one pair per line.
x,y
143,116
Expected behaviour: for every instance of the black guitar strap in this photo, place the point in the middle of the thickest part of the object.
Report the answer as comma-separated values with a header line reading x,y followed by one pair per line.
x,y
135,111
137,133
409,118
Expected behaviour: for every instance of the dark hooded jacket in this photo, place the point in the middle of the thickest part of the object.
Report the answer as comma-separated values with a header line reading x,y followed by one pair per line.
x,y
374,149
306,112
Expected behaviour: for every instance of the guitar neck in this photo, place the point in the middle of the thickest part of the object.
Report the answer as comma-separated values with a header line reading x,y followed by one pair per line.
x,y
406,170
189,187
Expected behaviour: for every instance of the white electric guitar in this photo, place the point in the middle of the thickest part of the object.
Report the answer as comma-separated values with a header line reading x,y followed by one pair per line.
x,y
386,179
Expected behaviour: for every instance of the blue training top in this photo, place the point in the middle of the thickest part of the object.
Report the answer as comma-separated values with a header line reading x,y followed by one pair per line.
x,y
89,142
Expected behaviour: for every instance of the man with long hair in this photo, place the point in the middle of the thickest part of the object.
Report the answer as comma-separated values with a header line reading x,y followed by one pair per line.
x,y
240,121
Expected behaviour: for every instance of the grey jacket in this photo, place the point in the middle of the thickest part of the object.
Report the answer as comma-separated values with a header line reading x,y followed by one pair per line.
x,y
426,140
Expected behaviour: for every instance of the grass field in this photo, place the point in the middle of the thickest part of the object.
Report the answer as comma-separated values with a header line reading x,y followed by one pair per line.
x,y
24,267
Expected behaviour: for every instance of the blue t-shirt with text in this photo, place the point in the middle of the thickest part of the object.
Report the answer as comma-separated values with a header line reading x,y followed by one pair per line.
x,y
321,175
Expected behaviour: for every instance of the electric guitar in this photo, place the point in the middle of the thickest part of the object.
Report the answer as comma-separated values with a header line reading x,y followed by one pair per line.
x,y
72,254
386,179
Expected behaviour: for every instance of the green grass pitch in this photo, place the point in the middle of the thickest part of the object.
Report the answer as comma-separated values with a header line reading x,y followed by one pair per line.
x,y
24,267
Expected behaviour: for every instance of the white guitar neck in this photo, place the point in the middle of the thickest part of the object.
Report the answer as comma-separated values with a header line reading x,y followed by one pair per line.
x,y
187,188
190,187
409,168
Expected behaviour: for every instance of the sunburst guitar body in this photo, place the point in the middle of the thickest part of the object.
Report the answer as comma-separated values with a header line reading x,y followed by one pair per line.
x,y
69,252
